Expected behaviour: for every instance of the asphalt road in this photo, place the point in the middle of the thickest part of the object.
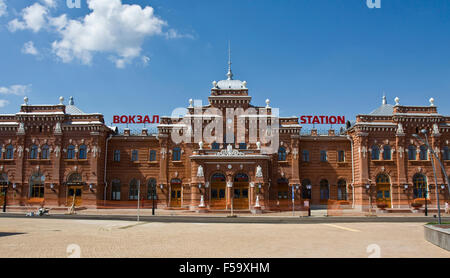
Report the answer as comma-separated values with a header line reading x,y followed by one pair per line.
x,y
239,219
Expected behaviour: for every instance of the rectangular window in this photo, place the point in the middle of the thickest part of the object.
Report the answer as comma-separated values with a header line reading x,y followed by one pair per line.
x,y
134,155
305,155
116,155
37,191
323,156
152,155
242,146
341,156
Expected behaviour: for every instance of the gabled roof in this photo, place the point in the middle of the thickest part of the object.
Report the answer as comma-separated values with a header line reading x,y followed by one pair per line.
x,y
71,109
383,110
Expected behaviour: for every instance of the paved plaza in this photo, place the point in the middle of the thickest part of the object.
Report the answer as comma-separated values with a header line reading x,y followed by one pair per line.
x,y
44,237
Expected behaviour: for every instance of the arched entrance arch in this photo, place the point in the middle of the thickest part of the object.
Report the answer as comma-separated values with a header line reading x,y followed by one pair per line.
x,y
218,191
175,193
3,187
420,186
383,183
283,193
74,189
240,191
37,182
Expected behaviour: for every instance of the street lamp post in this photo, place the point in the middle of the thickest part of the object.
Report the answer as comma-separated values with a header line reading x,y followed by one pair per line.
x,y
5,191
153,197
424,132
309,196
369,191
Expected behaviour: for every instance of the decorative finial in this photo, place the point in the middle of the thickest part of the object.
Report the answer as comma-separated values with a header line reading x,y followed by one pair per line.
x,y
61,100
190,103
267,103
384,102
397,101
214,84
230,73
431,101
71,101
25,100
244,84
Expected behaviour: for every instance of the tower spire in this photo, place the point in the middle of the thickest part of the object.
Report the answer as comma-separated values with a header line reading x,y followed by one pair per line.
x,y
230,73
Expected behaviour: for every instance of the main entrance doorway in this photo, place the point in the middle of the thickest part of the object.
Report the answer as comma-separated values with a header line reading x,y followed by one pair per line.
x,y
74,189
383,190
240,191
175,193
218,191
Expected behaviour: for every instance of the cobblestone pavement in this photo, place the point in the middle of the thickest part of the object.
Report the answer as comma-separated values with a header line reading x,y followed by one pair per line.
x,y
40,237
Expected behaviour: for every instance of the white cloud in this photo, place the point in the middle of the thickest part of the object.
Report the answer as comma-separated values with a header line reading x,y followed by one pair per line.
x,y
28,48
2,8
49,3
173,34
111,27
33,18
3,103
18,90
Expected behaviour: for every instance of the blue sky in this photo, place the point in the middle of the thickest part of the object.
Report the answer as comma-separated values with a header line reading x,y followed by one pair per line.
x,y
319,57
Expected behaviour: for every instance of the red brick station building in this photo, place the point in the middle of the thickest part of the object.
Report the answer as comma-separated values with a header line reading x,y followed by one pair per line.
x,y
57,155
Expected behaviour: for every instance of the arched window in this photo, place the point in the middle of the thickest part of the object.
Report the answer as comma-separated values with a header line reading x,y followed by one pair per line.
x,y
71,152
115,190
375,152
412,152
383,179
342,189
241,177
151,189
74,178
45,152
37,181
387,152
9,152
423,152
134,190
446,154
176,156
82,153
34,152
215,146
306,193
116,155
420,186
134,155
281,154
152,155
324,190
